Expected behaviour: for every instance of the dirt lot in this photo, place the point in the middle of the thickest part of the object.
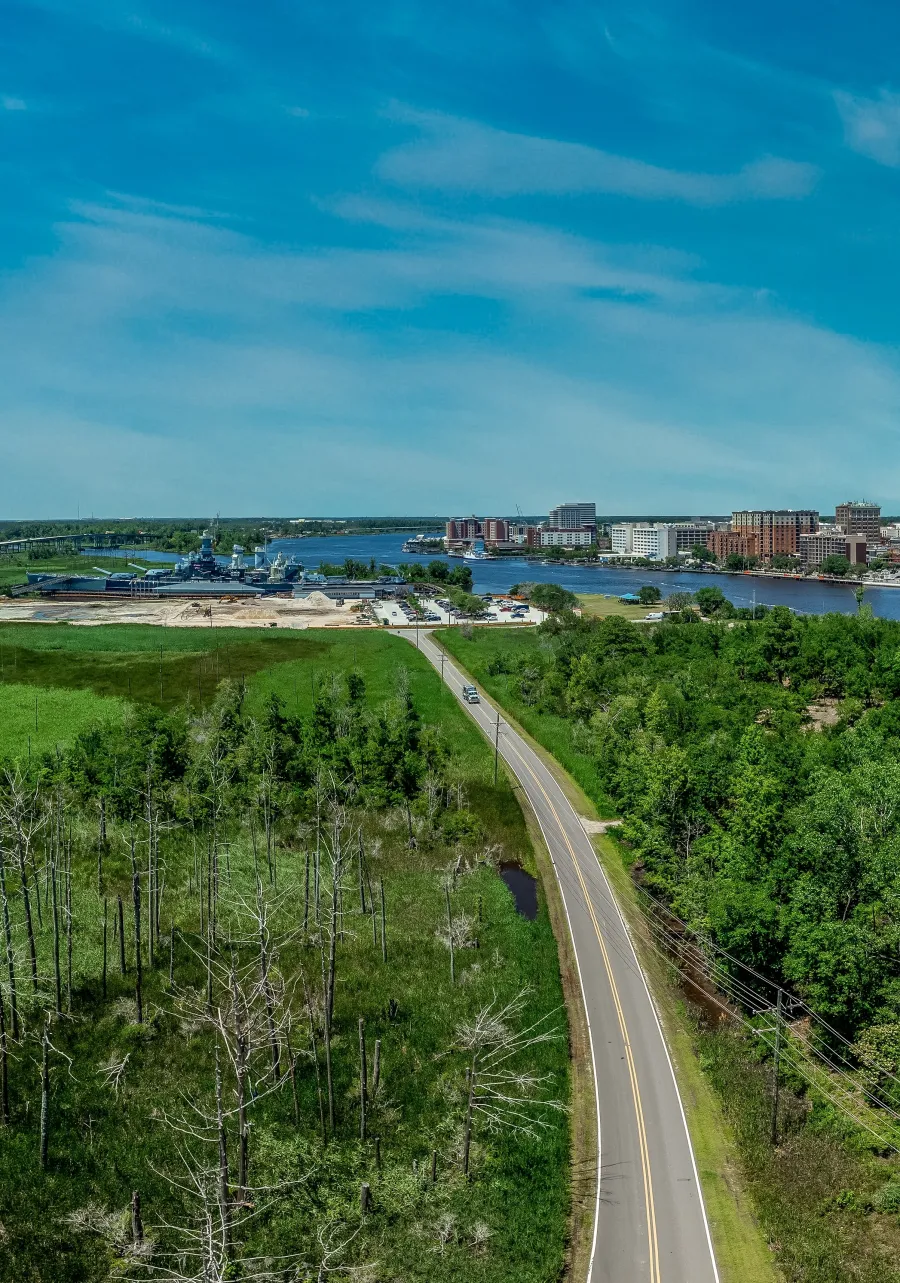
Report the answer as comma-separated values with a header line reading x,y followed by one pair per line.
x,y
315,611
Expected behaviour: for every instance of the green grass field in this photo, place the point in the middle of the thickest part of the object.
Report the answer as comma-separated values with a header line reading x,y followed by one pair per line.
x,y
508,1225
39,721
601,605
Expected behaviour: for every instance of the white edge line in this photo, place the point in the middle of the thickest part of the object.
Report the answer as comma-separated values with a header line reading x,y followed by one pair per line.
x,y
562,895
662,1037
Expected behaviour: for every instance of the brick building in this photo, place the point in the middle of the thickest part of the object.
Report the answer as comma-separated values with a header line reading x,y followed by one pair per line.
x,y
857,517
725,543
777,530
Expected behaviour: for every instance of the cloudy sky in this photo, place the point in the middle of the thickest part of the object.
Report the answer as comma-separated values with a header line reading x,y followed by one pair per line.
x,y
314,258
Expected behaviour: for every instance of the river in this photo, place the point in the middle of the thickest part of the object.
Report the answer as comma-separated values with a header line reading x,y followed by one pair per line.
x,y
806,596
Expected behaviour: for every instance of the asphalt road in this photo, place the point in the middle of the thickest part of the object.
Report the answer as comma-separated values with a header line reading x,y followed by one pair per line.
x,y
650,1224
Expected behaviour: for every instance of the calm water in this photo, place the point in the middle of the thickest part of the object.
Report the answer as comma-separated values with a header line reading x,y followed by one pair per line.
x,y
497,576
809,597
523,887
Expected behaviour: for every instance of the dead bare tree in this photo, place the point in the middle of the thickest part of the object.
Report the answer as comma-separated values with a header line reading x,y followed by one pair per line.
x,y
247,1015
498,1089
21,817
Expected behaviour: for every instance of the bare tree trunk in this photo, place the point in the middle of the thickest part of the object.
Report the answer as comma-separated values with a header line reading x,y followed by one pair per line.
x,y
315,1057
45,1100
241,1072
268,996
69,925
137,1224
450,936
376,1068
105,929
138,970
171,955
292,1061
363,1070
223,1154
306,895
362,885
101,843
54,902
467,1131
383,923
10,956
328,1077
122,965
26,902
4,1067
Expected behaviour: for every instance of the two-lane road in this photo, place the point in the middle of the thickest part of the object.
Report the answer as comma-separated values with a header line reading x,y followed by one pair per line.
x,y
650,1224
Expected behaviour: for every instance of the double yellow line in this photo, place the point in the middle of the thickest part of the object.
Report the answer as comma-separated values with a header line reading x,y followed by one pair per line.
x,y
655,1275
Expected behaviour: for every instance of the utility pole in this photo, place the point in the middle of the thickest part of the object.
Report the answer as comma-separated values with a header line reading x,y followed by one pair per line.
x,y
496,746
775,1086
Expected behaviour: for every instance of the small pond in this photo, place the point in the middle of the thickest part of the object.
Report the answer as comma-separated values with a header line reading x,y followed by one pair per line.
x,y
523,887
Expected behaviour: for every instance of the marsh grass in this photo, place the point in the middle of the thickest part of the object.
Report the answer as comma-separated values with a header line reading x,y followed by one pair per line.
x,y
508,1224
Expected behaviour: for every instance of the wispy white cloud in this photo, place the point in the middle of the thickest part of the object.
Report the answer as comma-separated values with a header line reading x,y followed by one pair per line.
x,y
150,334
454,154
872,125
9,103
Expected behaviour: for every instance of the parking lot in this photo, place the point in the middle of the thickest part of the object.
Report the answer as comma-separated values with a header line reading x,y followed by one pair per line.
x,y
436,611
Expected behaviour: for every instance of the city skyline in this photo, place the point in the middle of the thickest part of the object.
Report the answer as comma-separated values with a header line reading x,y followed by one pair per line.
x,y
273,261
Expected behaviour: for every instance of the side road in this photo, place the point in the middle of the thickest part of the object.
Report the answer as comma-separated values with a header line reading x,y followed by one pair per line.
x,y
650,1223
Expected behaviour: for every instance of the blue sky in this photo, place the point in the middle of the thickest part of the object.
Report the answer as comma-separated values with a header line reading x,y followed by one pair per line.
x,y
416,257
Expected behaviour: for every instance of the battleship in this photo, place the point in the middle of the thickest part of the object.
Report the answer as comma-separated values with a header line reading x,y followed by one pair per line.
x,y
203,574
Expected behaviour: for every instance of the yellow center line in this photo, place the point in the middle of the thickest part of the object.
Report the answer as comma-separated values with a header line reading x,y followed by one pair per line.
x,y
655,1275
632,1069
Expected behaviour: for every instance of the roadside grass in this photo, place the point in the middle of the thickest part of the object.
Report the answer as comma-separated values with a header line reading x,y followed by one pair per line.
x,y
827,1202
601,604
40,721
554,734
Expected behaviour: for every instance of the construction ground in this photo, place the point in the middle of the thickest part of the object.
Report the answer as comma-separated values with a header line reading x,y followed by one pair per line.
x,y
314,611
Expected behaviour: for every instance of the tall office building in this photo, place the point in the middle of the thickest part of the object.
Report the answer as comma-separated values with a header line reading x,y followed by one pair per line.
x,y
856,517
776,529
573,516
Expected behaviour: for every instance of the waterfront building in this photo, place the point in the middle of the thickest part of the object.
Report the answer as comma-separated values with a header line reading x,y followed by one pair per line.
x,y
725,543
573,516
555,538
818,545
858,517
655,542
690,533
495,530
620,536
522,535
464,530
777,530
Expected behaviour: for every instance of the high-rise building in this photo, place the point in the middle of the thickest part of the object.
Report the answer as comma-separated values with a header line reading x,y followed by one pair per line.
x,y
857,517
777,530
573,516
